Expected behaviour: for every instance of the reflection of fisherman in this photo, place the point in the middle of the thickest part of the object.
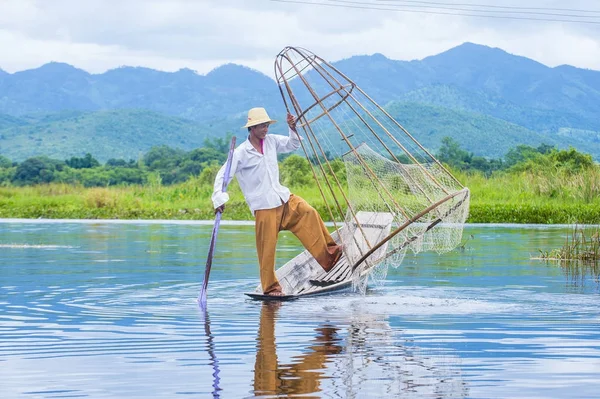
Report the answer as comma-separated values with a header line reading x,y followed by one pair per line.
x,y
370,357
301,377
274,207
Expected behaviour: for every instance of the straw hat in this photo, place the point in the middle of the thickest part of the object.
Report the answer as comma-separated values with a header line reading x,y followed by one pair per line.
x,y
256,116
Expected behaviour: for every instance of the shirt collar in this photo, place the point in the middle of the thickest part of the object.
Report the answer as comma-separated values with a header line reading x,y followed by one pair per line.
x,y
250,148
247,145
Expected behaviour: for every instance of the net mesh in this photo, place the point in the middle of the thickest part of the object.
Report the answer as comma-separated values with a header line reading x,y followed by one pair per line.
x,y
385,193
406,192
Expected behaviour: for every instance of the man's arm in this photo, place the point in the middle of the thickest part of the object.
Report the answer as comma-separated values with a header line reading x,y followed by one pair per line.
x,y
292,142
220,197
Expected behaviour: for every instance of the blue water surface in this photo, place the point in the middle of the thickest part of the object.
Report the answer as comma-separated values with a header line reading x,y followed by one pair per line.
x,y
107,309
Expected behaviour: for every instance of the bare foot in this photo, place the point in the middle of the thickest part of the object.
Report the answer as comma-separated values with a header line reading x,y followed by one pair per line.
x,y
274,293
336,257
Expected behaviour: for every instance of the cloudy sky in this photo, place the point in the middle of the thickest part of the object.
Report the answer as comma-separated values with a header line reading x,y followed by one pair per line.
x,y
97,35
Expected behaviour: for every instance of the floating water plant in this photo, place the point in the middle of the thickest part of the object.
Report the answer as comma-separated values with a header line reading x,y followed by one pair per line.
x,y
579,255
582,244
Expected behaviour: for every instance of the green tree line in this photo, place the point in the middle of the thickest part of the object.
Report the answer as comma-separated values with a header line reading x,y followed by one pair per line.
x,y
169,166
162,163
544,158
528,185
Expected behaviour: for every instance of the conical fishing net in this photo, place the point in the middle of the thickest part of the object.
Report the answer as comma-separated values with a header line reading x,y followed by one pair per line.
x,y
371,172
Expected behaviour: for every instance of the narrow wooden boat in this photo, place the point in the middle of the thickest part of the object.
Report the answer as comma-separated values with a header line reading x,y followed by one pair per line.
x,y
303,276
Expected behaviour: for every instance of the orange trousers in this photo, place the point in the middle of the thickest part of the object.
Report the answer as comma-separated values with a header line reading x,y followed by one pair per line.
x,y
304,222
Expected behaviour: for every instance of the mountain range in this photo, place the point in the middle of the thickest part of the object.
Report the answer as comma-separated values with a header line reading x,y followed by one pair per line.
x,y
486,99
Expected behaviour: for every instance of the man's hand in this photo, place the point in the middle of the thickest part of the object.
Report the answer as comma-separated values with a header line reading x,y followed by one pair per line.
x,y
221,209
291,121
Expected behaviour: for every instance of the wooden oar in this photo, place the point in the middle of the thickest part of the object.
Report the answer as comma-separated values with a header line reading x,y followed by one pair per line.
x,y
213,239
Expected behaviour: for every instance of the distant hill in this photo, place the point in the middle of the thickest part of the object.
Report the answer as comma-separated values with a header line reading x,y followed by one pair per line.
x,y
123,134
7,121
486,99
542,120
480,134
519,85
129,133
54,87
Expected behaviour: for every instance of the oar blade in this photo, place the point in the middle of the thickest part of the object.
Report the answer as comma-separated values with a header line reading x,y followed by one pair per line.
x,y
213,240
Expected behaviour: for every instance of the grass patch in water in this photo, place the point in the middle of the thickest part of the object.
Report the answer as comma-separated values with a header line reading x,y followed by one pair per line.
x,y
583,244
579,256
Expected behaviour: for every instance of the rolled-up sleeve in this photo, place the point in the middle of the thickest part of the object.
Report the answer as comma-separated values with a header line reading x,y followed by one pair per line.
x,y
219,197
289,143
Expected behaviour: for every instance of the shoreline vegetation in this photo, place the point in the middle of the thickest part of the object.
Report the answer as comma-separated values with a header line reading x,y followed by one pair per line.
x,y
189,201
530,185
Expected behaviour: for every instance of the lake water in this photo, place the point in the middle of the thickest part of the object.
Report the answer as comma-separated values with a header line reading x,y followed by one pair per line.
x,y
108,310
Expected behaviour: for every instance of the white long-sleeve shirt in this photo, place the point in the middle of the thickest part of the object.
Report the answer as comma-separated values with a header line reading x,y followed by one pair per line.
x,y
258,174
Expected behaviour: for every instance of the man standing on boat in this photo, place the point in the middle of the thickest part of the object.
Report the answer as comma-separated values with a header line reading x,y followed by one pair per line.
x,y
255,165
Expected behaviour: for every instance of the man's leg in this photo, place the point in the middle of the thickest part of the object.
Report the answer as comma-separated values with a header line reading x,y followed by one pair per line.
x,y
305,222
267,229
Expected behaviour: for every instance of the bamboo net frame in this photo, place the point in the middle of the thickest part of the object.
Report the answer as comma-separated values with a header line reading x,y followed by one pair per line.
x,y
336,119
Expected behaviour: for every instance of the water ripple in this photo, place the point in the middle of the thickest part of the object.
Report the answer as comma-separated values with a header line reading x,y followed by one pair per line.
x,y
110,310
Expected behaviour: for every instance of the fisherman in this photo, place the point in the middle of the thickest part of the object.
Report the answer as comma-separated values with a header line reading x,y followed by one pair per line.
x,y
274,208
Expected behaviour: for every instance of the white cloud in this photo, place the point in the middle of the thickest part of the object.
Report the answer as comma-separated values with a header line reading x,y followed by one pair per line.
x,y
97,35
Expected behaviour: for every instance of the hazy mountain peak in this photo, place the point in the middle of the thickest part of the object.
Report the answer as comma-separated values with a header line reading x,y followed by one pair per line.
x,y
470,46
482,56
126,69
54,70
231,68
466,49
187,71
571,68
378,57
234,74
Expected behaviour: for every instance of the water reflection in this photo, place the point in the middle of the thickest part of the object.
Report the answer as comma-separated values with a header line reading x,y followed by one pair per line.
x,y
362,358
579,273
379,361
210,347
301,376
